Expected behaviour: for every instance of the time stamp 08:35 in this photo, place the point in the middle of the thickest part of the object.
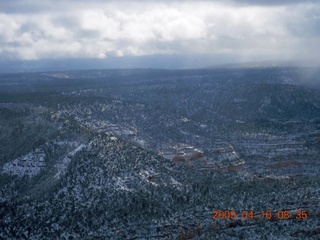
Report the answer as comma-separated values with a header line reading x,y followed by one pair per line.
x,y
264,214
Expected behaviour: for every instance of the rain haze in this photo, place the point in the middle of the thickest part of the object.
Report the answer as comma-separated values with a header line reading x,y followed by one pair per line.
x,y
151,33
160,119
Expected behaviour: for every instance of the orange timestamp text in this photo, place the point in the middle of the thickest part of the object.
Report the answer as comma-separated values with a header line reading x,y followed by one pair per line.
x,y
264,214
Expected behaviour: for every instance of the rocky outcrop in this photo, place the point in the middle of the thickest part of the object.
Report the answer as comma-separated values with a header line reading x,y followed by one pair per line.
x,y
225,156
178,159
231,168
197,155
277,149
284,164
313,137
269,178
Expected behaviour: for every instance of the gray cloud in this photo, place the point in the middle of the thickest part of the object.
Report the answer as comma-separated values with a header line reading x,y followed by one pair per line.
x,y
34,6
272,2
244,30
306,26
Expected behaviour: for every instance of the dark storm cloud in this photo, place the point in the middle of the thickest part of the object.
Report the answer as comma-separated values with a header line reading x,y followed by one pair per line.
x,y
242,30
32,6
272,2
21,6
307,26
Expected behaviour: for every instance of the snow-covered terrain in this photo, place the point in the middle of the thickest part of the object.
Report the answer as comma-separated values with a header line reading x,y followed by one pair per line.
x,y
30,164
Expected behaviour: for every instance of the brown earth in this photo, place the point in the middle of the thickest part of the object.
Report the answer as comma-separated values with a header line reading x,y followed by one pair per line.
x,y
284,164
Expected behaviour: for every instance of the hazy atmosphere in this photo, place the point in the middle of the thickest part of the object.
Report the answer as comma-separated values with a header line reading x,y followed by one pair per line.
x,y
216,31
160,120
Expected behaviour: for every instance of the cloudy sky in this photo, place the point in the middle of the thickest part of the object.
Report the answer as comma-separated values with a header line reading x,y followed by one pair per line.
x,y
239,31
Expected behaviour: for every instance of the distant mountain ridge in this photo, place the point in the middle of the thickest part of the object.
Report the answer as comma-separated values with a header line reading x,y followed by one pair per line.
x,y
112,62
144,62
268,64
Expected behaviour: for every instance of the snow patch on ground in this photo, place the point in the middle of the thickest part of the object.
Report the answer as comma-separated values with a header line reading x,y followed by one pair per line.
x,y
175,183
66,143
120,184
148,176
30,164
63,164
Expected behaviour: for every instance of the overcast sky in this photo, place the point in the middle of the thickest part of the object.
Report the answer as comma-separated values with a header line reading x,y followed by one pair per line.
x,y
247,30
